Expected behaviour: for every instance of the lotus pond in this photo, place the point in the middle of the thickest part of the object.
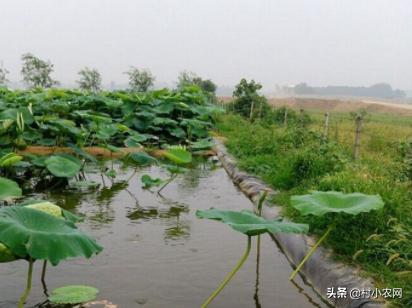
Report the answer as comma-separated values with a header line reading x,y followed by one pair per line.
x,y
156,252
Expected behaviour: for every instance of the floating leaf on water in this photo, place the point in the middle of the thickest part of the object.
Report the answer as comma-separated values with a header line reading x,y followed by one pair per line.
x,y
75,294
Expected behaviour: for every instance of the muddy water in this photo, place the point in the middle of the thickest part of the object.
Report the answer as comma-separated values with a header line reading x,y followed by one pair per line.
x,y
158,254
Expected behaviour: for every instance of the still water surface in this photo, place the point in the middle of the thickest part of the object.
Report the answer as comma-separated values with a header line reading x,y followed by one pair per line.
x,y
158,254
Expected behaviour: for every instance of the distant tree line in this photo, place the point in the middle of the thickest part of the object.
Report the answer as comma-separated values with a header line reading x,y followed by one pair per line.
x,y
37,74
381,90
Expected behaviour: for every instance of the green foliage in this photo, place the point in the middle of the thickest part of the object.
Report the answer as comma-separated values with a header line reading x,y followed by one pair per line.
x,y
75,294
140,80
187,79
36,72
63,165
10,159
321,202
250,224
246,95
32,233
178,155
149,182
295,160
141,159
118,118
9,189
90,80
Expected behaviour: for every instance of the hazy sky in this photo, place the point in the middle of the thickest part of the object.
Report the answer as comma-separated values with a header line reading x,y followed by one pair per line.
x,y
322,42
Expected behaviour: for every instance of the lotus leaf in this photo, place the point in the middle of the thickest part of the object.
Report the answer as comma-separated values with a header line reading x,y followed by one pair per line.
x,y
75,294
9,189
250,224
178,155
10,159
142,159
63,166
30,232
321,202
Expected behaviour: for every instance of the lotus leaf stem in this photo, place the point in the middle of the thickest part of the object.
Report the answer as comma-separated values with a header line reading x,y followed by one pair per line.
x,y
26,293
311,252
167,183
230,275
43,271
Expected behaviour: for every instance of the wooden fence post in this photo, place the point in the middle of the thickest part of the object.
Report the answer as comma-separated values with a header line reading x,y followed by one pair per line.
x,y
326,127
358,123
285,119
301,111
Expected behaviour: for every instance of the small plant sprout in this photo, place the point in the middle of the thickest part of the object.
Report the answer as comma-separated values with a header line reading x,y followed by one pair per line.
x,y
179,156
319,203
249,224
32,234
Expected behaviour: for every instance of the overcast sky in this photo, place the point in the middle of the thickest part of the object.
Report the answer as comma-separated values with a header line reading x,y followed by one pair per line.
x,y
322,42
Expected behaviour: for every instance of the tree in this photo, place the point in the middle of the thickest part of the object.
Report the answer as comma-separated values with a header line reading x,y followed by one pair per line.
x,y
90,80
140,80
247,101
3,75
36,72
187,78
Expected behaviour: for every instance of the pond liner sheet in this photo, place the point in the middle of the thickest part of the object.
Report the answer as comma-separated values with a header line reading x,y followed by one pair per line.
x,y
321,271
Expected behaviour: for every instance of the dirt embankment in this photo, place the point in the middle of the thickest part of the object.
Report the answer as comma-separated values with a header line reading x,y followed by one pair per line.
x,y
339,105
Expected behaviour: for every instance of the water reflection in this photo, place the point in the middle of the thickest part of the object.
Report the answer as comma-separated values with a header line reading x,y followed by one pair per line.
x,y
177,227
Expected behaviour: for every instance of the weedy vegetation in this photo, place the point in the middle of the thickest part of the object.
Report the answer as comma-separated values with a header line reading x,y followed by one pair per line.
x,y
295,157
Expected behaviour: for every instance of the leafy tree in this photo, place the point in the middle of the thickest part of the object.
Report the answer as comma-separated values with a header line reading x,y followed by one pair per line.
x,y
3,76
90,80
187,78
247,100
36,72
140,80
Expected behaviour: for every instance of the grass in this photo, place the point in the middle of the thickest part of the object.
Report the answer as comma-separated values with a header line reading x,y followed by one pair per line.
x,y
296,159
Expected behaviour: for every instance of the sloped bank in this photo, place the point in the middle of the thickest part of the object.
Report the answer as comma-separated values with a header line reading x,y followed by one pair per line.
x,y
320,271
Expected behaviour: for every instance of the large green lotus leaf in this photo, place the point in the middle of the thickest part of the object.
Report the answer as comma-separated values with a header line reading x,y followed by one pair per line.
x,y
10,159
9,189
202,144
29,232
63,166
142,159
321,202
52,209
250,224
75,294
47,207
178,155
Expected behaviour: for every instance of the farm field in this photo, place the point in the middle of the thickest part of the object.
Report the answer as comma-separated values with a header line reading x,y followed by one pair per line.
x,y
297,158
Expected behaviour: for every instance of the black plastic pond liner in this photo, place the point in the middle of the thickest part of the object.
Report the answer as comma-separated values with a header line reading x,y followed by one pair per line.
x,y
320,271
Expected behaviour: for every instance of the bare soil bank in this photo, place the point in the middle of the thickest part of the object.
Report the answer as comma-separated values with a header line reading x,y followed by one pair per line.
x,y
339,105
